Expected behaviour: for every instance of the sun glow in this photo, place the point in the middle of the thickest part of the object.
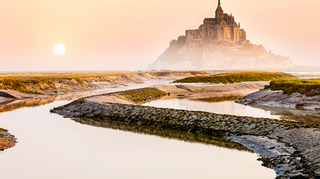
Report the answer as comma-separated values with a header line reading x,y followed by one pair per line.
x,y
59,49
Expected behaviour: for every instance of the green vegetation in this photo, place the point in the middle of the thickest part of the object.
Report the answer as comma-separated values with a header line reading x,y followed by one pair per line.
x,y
79,80
24,85
84,75
34,83
48,76
308,87
237,77
140,96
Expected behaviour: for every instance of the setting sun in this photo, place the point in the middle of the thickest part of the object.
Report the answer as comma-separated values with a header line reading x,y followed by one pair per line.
x,y
59,49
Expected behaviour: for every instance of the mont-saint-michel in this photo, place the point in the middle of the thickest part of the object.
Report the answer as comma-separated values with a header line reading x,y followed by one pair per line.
x,y
219,43
214,105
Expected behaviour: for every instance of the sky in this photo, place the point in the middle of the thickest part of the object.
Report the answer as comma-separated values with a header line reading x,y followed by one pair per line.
x,y
130,34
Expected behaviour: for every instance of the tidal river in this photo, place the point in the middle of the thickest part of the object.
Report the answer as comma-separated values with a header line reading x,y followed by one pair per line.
x,y
52,147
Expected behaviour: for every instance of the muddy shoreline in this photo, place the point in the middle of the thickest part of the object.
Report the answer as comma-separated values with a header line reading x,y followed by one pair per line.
x,y
272,139
7,140
71,89
268,137
269,98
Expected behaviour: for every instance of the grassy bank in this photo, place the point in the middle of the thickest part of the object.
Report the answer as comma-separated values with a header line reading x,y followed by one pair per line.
x,y
36,83
308,87
24,85
140,96
84,75
237,77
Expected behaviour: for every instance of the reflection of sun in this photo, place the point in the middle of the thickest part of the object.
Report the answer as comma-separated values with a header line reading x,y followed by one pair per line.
x,y
59,49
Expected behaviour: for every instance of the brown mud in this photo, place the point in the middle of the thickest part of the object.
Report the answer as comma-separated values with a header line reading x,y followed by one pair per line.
x,y
7,140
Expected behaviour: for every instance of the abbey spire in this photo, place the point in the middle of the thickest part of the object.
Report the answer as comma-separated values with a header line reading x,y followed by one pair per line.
x,y
219,11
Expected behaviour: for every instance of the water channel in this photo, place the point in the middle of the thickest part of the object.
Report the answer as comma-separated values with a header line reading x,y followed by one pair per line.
x,y
52,147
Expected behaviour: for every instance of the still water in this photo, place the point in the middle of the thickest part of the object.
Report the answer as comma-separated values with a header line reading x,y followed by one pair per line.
x,y
223,107
54,147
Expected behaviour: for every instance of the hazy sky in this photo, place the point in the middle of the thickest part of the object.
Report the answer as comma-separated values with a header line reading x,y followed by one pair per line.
x,y
129,34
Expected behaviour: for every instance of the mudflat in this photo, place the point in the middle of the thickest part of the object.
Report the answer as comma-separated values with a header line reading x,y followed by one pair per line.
x,y
271,98
272,139
7,140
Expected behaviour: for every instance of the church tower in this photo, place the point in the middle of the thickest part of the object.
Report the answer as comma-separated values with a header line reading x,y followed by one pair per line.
x,y
219,11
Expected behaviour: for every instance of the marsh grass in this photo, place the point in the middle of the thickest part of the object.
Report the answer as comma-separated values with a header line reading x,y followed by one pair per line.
x,y
237,77
23,85
143,95
22,82
84,75
308,87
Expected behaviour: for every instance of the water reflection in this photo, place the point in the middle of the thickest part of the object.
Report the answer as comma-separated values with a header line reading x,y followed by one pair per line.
x,y
215,99
52,147
33,102
225,107
16,104
171,134
224,104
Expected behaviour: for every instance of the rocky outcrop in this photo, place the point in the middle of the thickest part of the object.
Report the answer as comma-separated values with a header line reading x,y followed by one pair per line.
x,y
273,99
6,140
307,141
218,55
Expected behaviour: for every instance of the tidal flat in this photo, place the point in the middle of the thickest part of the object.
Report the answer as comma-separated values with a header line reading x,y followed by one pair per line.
x,y
288,159
49,143
268,137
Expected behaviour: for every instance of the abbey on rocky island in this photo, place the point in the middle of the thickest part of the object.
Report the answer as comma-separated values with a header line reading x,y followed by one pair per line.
x,y
219,43
221,28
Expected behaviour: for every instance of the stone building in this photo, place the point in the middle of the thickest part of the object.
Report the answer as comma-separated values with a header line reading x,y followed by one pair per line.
x,y
219,43
222,28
